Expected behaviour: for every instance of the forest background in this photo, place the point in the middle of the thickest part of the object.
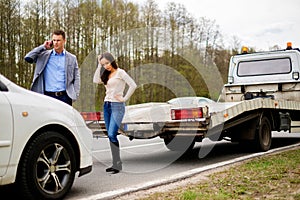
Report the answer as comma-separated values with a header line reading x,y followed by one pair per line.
x,y
168,52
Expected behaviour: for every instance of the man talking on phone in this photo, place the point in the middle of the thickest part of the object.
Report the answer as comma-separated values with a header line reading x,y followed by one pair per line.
x,y
56,72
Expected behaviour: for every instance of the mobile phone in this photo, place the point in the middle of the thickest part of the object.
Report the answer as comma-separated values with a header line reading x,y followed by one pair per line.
x,y
51,44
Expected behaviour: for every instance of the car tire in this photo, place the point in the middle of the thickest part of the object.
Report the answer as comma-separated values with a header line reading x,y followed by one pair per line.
x,y
182,144
47,168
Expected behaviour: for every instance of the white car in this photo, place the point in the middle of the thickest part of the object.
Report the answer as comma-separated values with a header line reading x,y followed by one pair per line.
x,y
43,143
163,119
161,111
146,120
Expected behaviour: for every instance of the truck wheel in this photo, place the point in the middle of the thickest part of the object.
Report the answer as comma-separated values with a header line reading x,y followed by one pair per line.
x,y
183,144
47,168
263,137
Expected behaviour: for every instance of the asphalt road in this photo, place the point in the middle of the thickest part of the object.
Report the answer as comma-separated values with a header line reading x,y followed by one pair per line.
x,y
149,162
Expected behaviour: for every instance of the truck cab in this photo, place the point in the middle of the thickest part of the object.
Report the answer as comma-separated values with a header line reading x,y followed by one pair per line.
x,y
272,74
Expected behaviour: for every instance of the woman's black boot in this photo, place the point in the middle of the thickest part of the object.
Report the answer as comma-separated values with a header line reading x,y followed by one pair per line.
x,y
117,164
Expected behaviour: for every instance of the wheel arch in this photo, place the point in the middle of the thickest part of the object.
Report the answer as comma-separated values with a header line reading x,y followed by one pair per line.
x,y
59,129
271,117
251,120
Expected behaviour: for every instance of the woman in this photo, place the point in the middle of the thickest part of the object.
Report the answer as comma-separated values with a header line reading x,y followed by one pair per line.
x,y
114,80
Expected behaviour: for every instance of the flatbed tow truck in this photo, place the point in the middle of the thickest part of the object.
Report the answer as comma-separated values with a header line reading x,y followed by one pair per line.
x,y
262,95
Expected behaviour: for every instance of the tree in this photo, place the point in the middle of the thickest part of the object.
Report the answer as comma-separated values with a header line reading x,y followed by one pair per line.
x,y
136,35
9,33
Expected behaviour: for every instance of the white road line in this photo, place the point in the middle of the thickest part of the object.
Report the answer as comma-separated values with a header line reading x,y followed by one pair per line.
x,y
180,176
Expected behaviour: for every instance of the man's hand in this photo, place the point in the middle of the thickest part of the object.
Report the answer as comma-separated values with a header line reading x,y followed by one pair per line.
x,y
48,44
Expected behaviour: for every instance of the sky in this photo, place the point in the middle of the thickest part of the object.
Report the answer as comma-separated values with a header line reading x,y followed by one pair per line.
x,y
259,24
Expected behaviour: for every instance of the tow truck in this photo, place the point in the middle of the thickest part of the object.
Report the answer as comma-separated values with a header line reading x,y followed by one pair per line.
x,y
261,95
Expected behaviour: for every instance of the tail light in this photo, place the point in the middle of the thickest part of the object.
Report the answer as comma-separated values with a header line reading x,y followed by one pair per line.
x,y
91,116
187,113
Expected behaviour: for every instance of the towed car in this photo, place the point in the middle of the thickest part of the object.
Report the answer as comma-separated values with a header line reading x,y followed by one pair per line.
x,y
181,116
144,116
43,143
152,119
159,111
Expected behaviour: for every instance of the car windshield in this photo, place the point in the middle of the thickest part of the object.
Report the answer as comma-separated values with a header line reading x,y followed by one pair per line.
x,y
182,101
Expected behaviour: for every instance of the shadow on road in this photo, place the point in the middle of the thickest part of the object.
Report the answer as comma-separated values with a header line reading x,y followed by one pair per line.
x,y
219,152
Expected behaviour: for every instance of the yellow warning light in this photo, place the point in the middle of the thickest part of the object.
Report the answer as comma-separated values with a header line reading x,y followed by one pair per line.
x,y
245,50
289,45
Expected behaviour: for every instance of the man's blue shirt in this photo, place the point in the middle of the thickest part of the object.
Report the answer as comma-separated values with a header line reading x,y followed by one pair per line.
x,y
54,74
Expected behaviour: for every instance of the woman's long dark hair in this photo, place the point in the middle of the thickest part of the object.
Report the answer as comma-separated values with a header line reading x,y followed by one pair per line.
x,y
103,72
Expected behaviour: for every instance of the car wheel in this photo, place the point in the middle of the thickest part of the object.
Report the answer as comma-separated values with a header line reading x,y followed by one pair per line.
x,y
178,143
47,168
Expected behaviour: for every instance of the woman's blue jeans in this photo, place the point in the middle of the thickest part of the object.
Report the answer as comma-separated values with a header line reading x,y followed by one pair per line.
x,y
113,116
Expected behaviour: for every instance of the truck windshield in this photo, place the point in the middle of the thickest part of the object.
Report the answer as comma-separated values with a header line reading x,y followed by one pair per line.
x,y
264,67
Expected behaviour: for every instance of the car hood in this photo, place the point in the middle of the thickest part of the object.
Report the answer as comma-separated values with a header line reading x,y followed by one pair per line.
x,y
36,104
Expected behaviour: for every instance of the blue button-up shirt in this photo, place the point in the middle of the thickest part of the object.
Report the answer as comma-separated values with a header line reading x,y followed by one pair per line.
x,y
54,74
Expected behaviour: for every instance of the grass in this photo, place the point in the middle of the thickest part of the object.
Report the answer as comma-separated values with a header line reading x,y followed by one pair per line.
x,y
275,176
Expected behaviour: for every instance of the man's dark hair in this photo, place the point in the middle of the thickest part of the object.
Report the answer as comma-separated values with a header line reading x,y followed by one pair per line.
x,y
59,32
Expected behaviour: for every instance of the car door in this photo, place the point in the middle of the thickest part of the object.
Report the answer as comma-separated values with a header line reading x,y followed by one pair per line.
x,y
6,129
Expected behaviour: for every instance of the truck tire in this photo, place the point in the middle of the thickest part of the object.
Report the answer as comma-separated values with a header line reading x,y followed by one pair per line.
x,y
48,166
183,144
263,136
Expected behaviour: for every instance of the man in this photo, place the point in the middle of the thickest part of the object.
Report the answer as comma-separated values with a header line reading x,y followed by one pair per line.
x,y
56,73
